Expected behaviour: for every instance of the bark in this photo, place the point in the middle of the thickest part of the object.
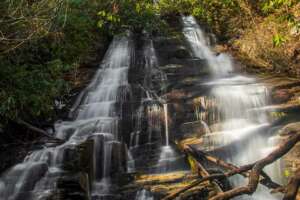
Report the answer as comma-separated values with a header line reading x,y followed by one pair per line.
x,y
202,172
293,187
254,175
266,180
194,184
257,168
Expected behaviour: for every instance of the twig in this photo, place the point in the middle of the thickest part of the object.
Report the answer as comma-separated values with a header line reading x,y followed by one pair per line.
x,y
35,129
257,168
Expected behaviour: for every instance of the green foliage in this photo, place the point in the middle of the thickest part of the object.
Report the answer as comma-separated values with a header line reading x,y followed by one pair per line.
x,y
30,88
37,51
173,7
135,15
205,8
272,5
278,40
214,12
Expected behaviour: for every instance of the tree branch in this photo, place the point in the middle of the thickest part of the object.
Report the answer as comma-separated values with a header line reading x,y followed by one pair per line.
x,y
34,129
267,181
256,171
257,168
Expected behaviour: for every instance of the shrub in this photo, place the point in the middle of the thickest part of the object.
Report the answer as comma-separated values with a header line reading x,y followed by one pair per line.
x,y
41,42
134,15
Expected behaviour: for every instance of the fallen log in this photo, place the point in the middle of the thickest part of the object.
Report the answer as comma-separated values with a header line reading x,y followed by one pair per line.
x,y
257,167
256,170
266,180
203,173
35,129
194,184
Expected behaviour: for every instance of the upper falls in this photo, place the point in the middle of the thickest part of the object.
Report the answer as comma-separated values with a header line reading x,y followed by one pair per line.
x,y
238,122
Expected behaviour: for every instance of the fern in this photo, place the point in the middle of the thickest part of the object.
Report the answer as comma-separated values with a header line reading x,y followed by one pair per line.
x,y
278,40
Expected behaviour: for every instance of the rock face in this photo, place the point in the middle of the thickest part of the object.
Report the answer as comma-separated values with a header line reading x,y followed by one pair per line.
x,y
292,159
180,91
193,128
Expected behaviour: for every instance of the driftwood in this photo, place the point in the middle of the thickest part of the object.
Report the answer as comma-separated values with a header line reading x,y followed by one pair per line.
x,y
202,172
35,129
256,169
266,180
194,184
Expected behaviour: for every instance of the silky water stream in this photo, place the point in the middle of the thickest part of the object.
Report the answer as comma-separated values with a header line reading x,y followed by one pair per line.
x,y
96,119
231,110
151,148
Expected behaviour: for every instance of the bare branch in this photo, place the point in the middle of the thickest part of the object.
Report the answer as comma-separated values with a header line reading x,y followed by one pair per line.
x,y
257,168
256,171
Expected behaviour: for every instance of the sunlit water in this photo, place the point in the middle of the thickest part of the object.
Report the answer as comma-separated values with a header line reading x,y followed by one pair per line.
x,y
236,98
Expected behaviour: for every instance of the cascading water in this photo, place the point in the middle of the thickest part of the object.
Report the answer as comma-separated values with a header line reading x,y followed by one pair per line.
x,y
166,124
236,99
149,142
167,155
150,108
143,195
97,119
198,43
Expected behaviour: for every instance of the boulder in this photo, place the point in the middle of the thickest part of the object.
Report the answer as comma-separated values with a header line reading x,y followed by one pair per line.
x,y
281,96
291,128
182,53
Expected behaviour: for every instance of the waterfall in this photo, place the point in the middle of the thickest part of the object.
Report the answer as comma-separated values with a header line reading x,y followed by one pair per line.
x,y
96,119
166,124
239,123
150,108
143,195
151,132
199,46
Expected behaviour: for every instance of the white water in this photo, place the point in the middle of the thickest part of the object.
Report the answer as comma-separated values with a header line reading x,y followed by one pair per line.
x,y
144,195
96,119
220,65
166,124
168,156
149,107
236,101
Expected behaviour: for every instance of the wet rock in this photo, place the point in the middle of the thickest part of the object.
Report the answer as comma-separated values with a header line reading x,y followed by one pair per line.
x,y
291,128
195,128
85,158
71,187
71,158
281,96
119,159
292,158
182,53
33,175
